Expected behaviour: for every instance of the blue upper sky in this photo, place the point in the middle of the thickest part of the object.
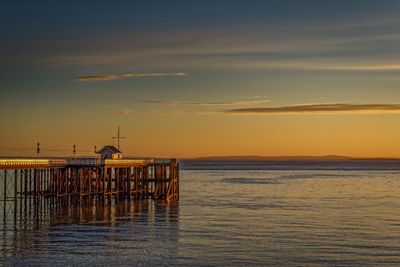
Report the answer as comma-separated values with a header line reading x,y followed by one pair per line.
x,y
43,20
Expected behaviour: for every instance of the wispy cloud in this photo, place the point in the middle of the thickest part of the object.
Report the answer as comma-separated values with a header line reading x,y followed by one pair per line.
x,y
125,112
98,78
244,101
359,43
168,112
189,106
335,108
322,65
372,68
359,40
127,75
321,109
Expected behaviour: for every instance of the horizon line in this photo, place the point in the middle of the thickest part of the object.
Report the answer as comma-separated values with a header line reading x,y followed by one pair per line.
x,y
326,157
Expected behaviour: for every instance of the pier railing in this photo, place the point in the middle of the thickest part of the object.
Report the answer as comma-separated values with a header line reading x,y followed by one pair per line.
x,y
31,163
81,161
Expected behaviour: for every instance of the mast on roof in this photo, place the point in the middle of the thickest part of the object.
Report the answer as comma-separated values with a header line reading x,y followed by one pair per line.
x,y
118,137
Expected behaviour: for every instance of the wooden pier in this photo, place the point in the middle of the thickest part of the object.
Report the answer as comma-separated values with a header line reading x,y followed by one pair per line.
x,y
84,181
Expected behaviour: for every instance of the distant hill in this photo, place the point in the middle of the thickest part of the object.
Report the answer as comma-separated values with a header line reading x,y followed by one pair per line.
x,y
288,158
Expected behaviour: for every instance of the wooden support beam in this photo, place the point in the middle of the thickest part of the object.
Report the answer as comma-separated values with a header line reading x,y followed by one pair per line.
x,y
5,195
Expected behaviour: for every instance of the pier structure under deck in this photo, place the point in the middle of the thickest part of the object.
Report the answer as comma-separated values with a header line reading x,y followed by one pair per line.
x,y
27,182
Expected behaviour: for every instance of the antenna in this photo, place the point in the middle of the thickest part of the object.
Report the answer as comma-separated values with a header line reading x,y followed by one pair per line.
x,y
118,137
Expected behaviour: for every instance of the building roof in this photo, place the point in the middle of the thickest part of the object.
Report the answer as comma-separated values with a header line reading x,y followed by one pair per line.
x,y
112,149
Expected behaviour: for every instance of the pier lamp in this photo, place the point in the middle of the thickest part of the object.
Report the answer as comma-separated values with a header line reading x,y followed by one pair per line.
x,y
38,148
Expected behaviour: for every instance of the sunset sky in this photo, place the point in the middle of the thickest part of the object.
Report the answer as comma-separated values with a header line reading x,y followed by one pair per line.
x,y
201,78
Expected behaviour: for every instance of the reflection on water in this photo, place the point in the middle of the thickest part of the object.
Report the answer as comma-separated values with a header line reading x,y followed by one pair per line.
x,y
311,216
122,232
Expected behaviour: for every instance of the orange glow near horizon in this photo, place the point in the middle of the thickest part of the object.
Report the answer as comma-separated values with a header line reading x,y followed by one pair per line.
x,y
186,136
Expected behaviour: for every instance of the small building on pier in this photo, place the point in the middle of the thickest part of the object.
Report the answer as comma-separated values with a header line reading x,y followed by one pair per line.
x,y
109,152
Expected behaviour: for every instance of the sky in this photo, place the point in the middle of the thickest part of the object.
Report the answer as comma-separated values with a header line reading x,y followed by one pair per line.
x,y
201,78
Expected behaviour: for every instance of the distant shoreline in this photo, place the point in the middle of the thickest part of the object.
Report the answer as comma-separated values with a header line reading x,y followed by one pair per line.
x,y
329,158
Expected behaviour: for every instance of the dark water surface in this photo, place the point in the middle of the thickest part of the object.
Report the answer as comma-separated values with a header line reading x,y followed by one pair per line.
x,y
269,214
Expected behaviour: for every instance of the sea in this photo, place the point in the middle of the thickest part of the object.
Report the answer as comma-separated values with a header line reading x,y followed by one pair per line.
x,y
228,214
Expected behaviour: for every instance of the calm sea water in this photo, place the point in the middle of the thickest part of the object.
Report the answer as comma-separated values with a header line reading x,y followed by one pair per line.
x,y
267,214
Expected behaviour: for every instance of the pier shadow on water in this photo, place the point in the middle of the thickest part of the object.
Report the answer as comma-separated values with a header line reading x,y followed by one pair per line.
x,y
93,232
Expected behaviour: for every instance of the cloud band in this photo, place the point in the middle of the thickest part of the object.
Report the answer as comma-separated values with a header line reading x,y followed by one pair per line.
x,y
320,109
127,75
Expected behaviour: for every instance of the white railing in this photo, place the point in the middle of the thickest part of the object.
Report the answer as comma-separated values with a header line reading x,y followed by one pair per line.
x,y
111,162
84,161
163,161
